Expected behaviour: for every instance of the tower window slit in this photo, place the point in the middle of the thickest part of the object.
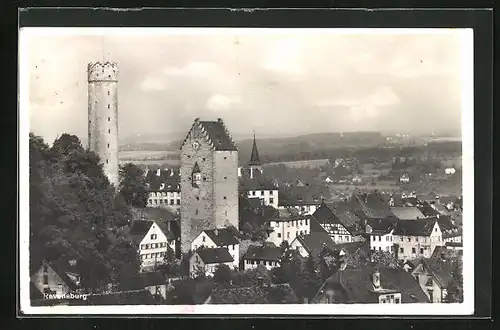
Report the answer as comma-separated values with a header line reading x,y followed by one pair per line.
x,y
109,130
108,145
109,119
106,161
108,106
108,92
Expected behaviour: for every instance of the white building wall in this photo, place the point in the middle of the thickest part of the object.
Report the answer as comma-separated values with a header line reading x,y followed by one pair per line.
x,y
153,250
297,245
166,199
270,197
288,230
382,242
252,264
204,240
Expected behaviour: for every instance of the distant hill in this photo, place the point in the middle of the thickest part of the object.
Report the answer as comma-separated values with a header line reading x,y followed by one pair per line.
x,y
270,149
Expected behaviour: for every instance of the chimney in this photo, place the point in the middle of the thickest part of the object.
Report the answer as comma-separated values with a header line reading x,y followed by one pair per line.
x,y
216,232
219,120
169,225
158,172
376,280
162,186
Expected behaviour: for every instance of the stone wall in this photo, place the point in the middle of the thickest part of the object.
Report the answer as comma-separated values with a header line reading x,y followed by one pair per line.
x,y
103,116
226,188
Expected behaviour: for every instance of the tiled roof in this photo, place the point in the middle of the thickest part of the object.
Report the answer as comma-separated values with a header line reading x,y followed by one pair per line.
x,y
427,210
415,228
407,213
371,205
440,270
380,226
352,247
454,244
259,183
445,223
426,197
153,279
355,285
263,253
216,133
222,236
288,214
338,214
62,267
214,256
315,242
255,202
154,214
140,228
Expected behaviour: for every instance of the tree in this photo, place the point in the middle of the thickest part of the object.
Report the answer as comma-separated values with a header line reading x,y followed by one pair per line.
x,y
133,185
384,259
74,214
455,287
222,274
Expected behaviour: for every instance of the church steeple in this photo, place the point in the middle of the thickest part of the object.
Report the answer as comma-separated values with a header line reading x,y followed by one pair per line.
x,y
254,158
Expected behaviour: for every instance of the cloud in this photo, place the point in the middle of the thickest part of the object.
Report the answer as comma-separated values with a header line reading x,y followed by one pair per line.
x,y
153,83
221,103
285,57
192,69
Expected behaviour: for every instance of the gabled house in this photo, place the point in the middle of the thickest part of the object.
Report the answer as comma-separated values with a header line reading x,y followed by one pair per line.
x,y
380,233
312,244
153,240
419,238
289,224
340,223
225,238
368,285
262,189
206,260
405,178
370,206
56,278
434,277
268,256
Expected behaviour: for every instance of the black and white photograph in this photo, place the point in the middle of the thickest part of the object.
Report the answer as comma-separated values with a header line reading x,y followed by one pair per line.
x,y
202,170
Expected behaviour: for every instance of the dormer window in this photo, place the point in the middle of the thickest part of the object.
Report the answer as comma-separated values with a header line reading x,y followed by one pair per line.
x,y
196,176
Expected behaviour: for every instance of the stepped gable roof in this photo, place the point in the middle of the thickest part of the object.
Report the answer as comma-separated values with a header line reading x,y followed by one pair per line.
x,y
214,256
407,213
254,157
380,226
153,279
315,242
269,253
355,285
222,236
415,228
216,133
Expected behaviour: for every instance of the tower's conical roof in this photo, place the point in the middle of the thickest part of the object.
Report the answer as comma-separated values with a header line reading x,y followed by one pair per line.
x,y
254,158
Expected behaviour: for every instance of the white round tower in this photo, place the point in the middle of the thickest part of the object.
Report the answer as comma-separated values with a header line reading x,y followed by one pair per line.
x,y
103,116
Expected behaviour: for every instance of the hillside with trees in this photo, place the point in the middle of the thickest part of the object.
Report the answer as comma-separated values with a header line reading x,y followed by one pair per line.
x,y
75,214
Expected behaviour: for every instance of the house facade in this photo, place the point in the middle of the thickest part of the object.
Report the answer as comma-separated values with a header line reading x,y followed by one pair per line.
x,y
56,278
342,225
154,240
267,256
432,280
416,239
287,226
219,238
167,198
205,261
312,244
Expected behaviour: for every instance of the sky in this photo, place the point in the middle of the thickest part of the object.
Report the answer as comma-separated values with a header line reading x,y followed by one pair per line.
x,y
272,83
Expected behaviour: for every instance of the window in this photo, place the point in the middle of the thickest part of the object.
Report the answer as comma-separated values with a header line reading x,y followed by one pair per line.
x,y
380,238
387,238
279,235
166,201
203,238
108,145
225,178
161,201
196,211
107,161
262,193
153,236
288,235
178,202
108,106
172,202
397,300
421,250
45,279
45,268
197,198
108,92
347,238
204,159
413,250
225,197
253,193
271,192
225,157
401,250
109,130
147,246
306,222
416,238
409,238
225,213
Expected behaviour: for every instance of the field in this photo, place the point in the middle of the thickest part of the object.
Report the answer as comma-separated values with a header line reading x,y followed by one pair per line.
x,y
313,163
161,163
150,157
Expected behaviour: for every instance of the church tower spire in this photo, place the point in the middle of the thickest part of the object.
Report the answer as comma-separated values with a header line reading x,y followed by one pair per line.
x,y
254,163
254,157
